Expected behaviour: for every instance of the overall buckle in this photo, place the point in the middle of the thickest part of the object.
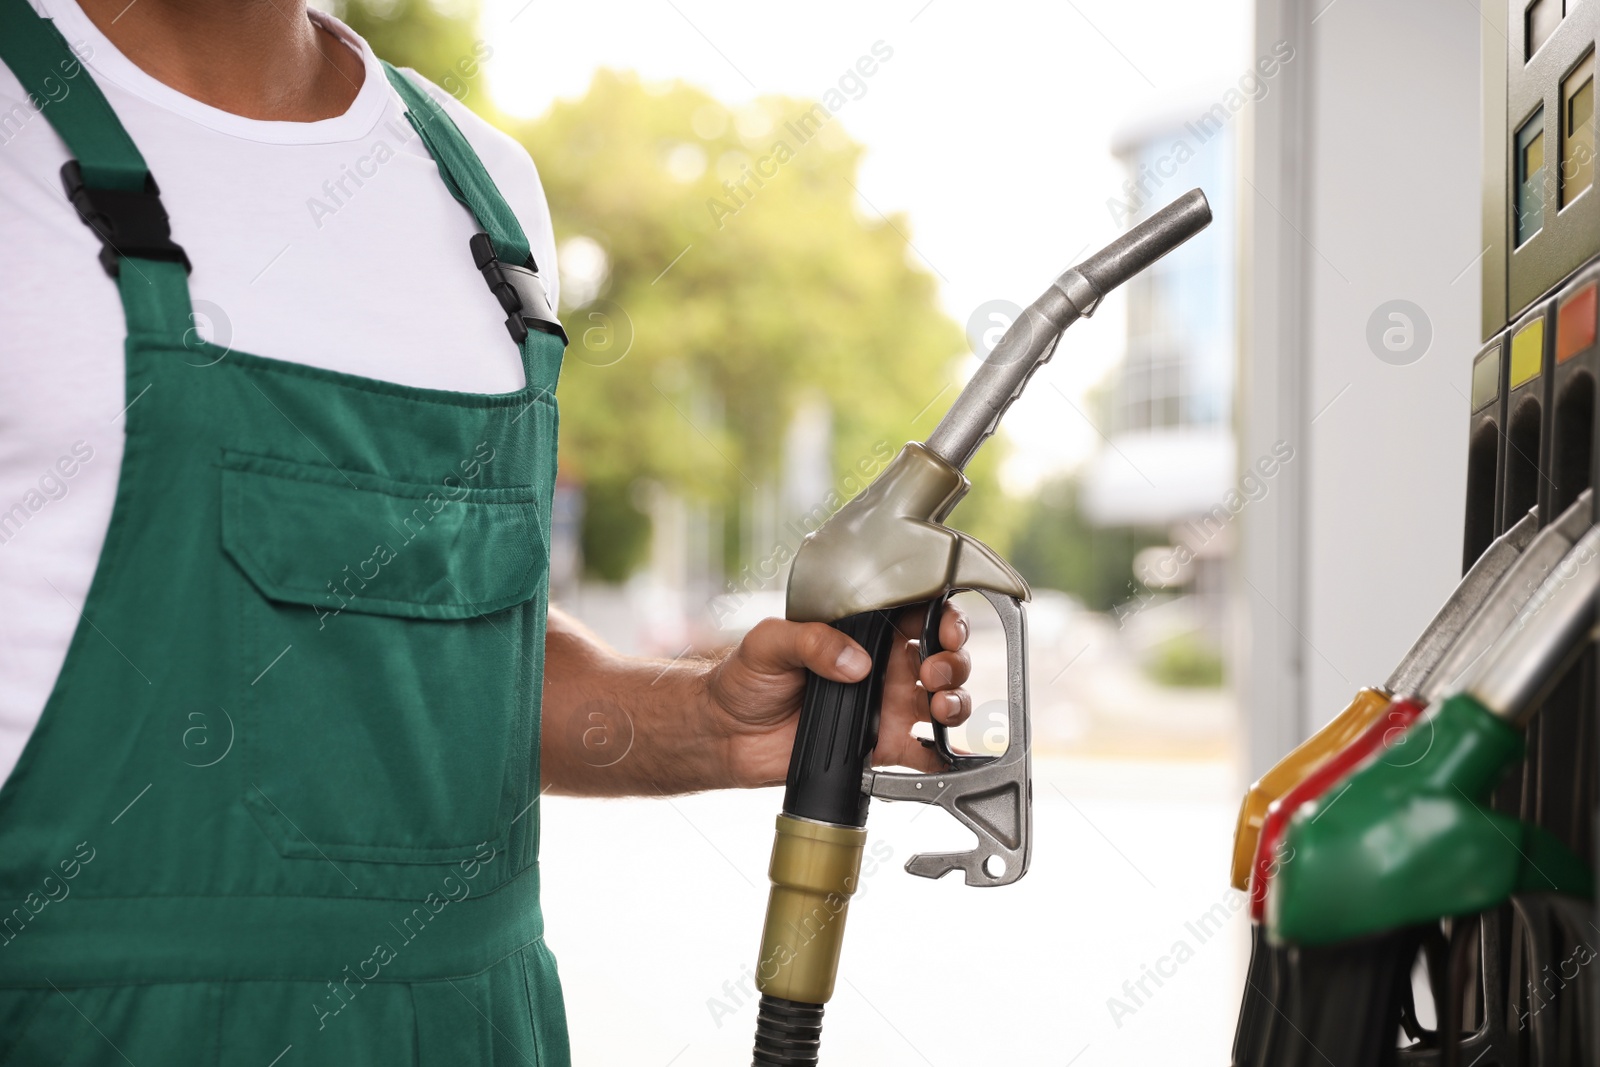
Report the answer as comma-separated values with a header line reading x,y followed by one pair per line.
x,y
127,223
519,290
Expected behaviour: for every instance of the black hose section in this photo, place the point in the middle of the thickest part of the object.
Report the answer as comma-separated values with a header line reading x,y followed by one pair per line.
x,y
1342,1003
1547,1005
788,1033
1436,952
1454,1011
1256,1007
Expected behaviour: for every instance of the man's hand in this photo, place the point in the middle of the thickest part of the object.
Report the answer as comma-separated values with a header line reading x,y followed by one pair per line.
x,y
755,693
615,725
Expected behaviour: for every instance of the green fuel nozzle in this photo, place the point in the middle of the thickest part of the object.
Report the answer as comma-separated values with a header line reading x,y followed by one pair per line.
x,y
884,551
1409,840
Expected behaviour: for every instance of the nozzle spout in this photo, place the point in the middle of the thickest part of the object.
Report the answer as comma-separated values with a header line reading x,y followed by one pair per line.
x,y
1462,608
1555,625
1031,340
1145,243
1506,601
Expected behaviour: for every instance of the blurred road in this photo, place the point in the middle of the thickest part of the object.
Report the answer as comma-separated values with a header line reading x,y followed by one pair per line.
x,y
654,908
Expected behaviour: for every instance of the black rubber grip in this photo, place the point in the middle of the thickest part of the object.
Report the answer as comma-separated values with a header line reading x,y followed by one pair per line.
x,y
1342,1003
788,1033
838,730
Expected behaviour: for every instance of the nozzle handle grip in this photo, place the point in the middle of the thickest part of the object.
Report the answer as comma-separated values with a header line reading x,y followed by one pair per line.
x,y
838,729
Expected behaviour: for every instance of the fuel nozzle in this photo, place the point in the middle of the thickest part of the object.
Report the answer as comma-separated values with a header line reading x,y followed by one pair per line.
x,y
1331,752
1454,630
1407,839
1453,625
1410,841
1478,626
885,550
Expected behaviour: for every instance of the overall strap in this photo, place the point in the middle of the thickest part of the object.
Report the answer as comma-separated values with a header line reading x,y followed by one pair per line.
x,y
107,181
502,252
463,172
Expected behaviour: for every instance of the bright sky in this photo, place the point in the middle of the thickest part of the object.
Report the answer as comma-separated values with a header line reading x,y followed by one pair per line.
x,y
989,127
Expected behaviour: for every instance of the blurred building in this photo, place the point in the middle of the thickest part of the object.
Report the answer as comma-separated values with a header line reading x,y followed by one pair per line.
x,y
1166,411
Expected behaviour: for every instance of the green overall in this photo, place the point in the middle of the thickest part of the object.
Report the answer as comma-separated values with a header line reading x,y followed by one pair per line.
x,y
282,805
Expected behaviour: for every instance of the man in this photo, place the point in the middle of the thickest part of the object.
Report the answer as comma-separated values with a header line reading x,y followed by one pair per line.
x,y
281,684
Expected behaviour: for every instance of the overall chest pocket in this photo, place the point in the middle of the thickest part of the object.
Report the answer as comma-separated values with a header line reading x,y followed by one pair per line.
x,y
391,640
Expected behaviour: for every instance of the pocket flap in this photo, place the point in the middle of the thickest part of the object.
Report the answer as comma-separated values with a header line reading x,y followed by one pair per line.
x,y
351,541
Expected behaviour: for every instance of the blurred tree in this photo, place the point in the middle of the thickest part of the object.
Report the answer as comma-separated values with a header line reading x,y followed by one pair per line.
x,y
616,534
436,38
1186,660
725,253
716,268
1055,547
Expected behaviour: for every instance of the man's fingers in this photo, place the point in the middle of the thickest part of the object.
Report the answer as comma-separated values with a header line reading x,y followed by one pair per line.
x,y
954,629
951,708
775,645
946,670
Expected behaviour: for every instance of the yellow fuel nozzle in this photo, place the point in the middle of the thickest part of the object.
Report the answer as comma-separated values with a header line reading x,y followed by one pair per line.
x,y
1290,771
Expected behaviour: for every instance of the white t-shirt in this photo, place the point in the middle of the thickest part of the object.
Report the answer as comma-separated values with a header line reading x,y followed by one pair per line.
x,y
331,243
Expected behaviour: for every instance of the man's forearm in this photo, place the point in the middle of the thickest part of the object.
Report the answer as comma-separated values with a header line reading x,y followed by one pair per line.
x,y
617,725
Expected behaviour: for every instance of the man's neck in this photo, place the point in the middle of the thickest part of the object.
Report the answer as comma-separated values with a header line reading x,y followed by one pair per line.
x,y
262,59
